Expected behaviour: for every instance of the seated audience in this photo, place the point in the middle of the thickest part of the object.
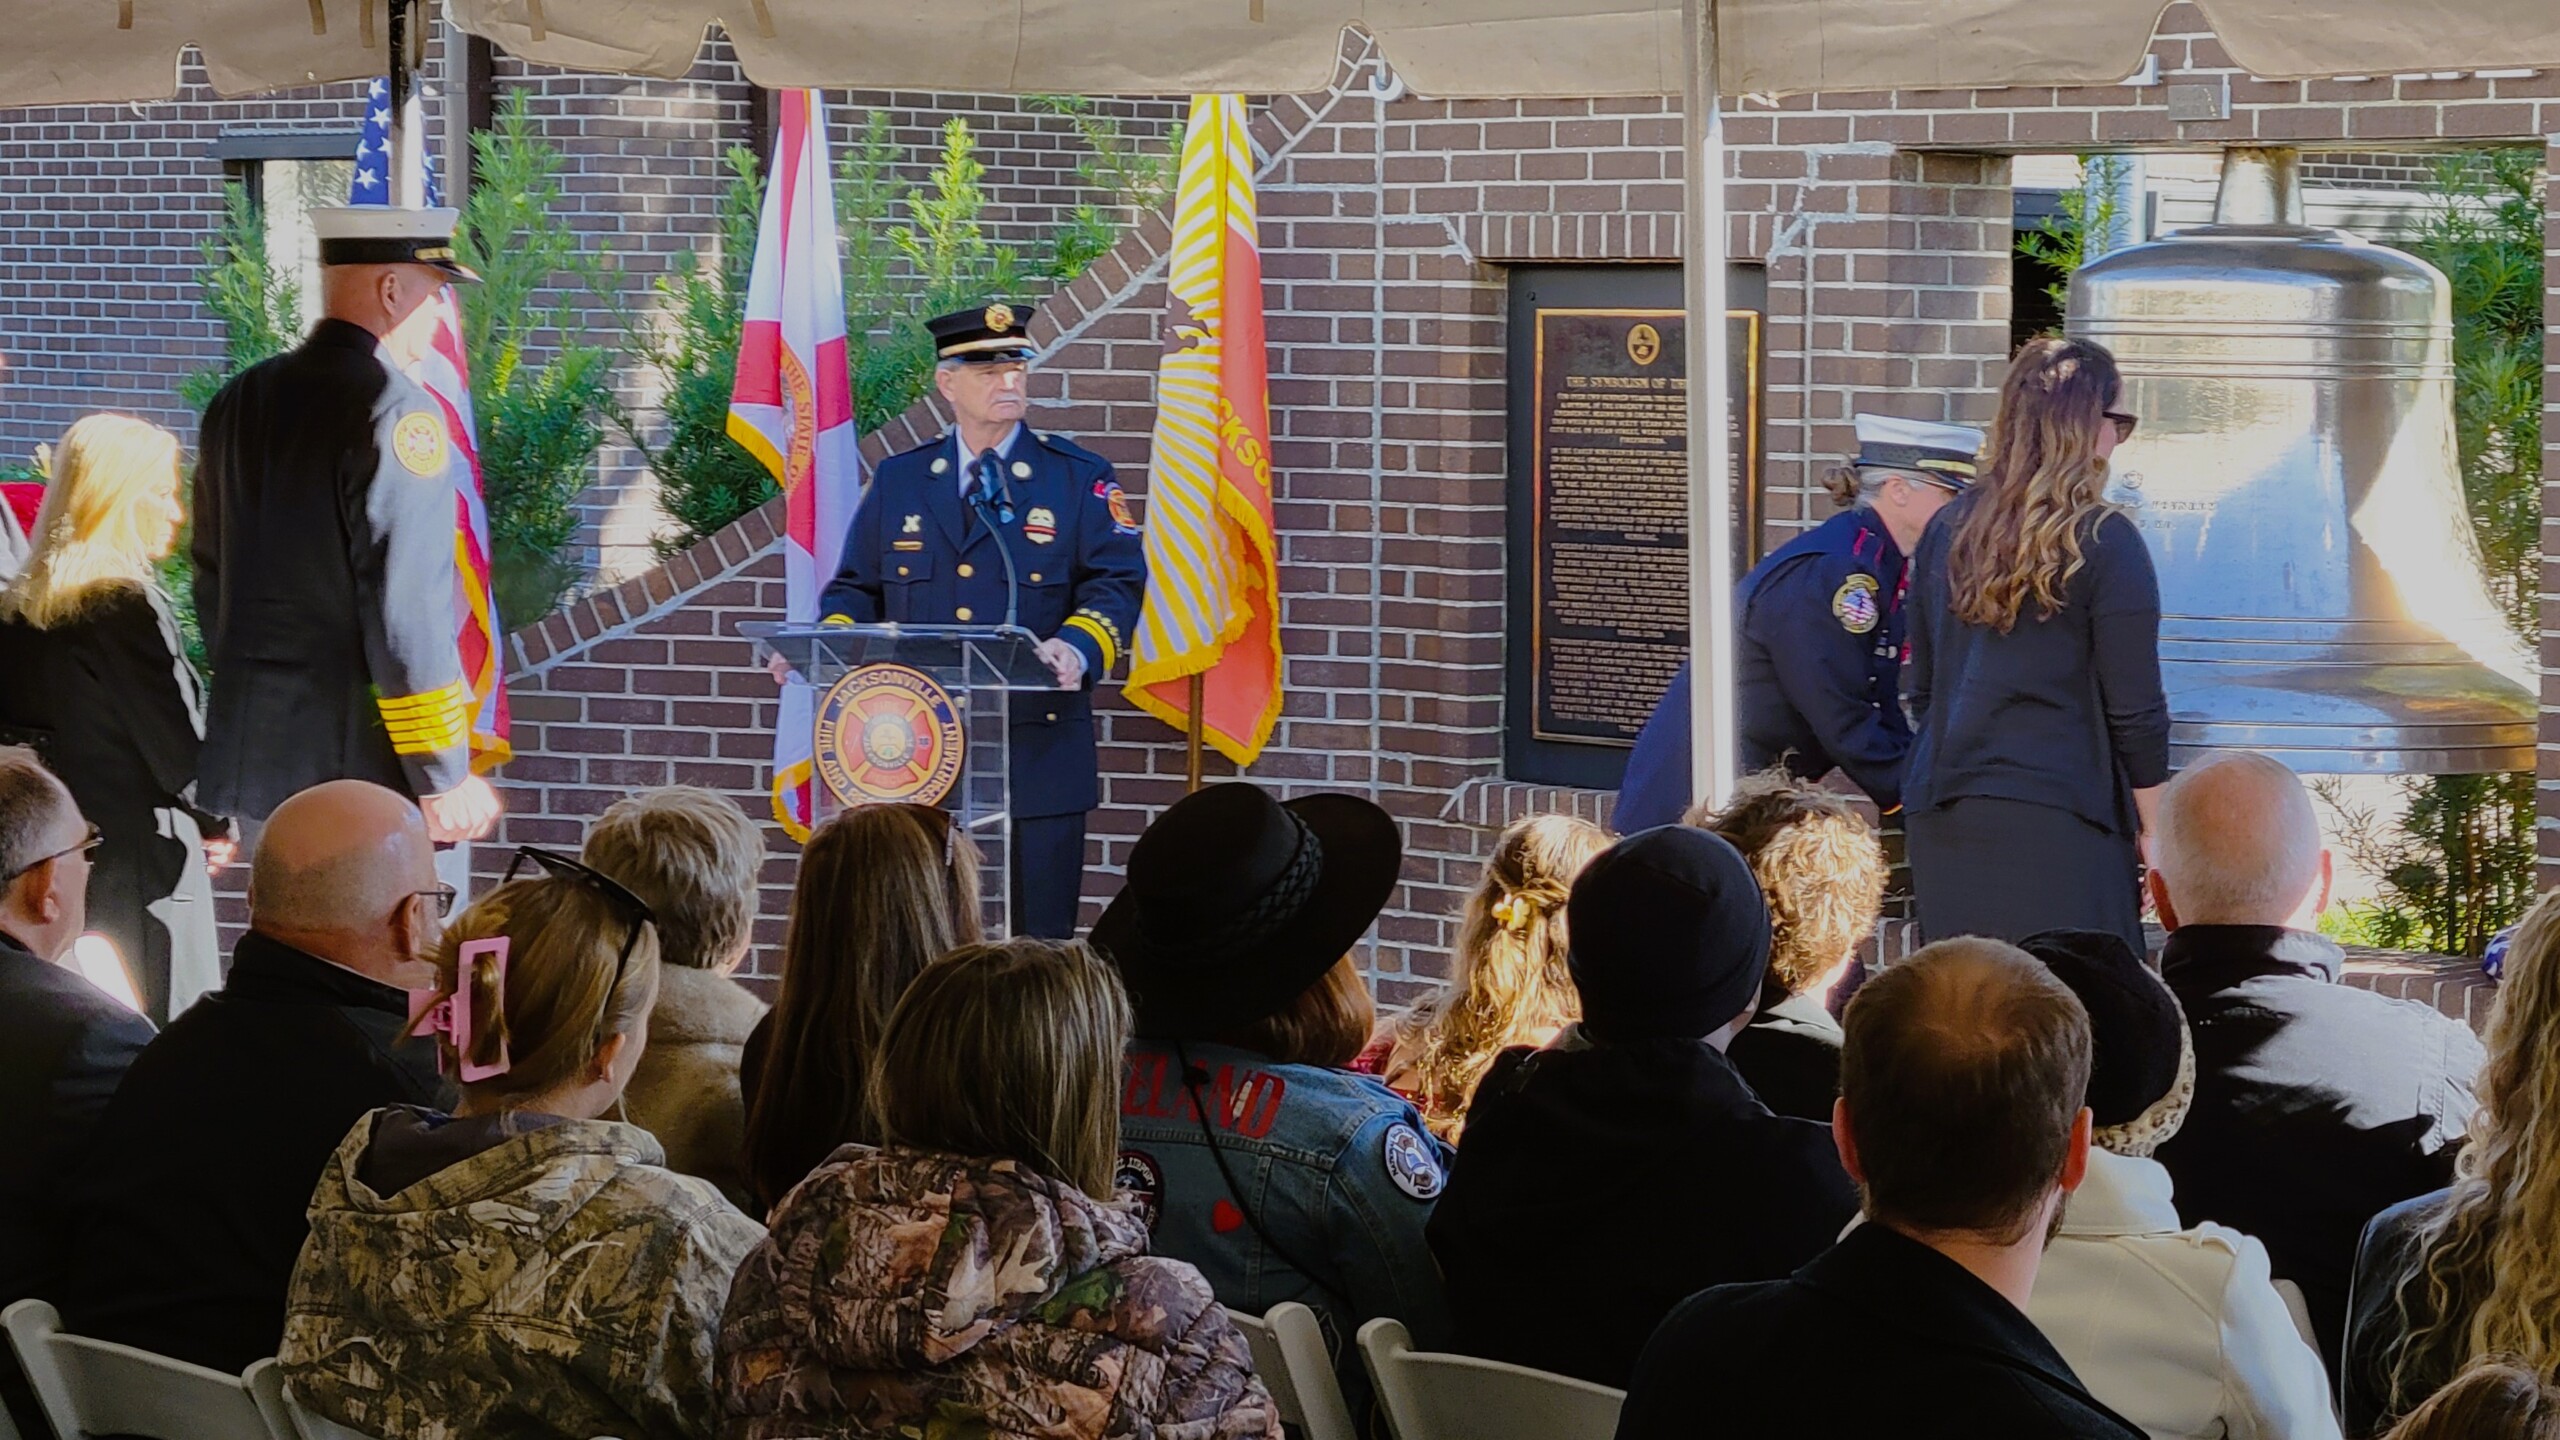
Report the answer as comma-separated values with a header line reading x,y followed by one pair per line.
x,y
2494,1401
973,1276
1960,1117
692,857
2470,1272
519,1267
192,1200
1577,1149
2178,1329
1253,1154
94,675
883,891
1822,872
63,1043
2316,1105
1507,985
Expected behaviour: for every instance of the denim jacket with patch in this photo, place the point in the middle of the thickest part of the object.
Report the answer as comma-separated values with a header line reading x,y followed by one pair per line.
x,y
1333,1176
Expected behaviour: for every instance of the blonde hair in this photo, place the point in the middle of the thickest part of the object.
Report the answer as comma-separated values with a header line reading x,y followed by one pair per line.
x,y
560,1001
97,527
2488,1279
884,890
1819,867
692,856
1507,982
2041,485
1011,1051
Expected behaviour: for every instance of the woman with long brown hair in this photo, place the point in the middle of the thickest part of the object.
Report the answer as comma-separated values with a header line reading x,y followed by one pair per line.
x,y
2041,733
2472,1272
1509,985
884,891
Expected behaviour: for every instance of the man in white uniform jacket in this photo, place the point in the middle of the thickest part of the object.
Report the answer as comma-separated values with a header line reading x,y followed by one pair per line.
x,y
2181,1331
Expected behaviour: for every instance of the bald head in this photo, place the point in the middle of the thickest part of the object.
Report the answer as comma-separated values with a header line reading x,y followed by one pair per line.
x,y
335,871
377,297
2238,843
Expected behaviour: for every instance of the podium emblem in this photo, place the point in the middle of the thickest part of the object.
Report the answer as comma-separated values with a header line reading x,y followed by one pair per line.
x,y
888,734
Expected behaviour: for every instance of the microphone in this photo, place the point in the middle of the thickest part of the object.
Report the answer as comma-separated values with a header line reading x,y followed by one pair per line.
x,y
995,506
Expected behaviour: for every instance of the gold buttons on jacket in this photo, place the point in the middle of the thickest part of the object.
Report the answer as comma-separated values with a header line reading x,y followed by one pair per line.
x,y
902,569
1035,577
968,570
964,612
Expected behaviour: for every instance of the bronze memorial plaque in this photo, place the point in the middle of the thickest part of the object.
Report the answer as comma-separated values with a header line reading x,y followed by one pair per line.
x,y
1609,542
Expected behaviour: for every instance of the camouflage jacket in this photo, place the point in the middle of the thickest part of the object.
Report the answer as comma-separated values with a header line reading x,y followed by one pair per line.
x,y
560,1284
904,1293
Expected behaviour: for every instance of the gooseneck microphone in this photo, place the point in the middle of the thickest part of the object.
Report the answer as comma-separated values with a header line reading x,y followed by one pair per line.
x,y
994,501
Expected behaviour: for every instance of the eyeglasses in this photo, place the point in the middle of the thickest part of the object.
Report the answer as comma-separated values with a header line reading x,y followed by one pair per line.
x,y
86,849
635,912
2124,424
442,895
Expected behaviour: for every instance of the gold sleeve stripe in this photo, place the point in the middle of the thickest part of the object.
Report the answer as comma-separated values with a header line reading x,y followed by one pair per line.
x,y
1102,637
437,719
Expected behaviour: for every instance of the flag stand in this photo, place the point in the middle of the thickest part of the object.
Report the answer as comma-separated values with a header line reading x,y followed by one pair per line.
x,y
1191,737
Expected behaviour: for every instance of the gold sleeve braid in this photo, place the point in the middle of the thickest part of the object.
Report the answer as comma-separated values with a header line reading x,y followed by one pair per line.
x,y
425,723
1105,635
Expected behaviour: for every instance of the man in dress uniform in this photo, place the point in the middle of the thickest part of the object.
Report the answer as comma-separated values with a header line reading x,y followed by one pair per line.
x,y
928,547
1818,660
324,526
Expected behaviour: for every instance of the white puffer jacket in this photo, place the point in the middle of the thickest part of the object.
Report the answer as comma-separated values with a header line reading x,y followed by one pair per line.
x,y
2179,1330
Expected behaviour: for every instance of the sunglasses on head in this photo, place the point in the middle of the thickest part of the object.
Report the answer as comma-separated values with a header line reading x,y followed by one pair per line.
x,y
87,849
631,908
2123,422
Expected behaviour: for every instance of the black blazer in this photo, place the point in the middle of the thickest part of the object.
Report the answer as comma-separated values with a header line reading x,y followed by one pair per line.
x,y
2064,711
63,1047
1634,1174
1790,1054
111,704
1880,1335
2317,1104
191,1205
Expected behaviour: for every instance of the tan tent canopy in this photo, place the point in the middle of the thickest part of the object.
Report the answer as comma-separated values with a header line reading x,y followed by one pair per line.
x,y
63,51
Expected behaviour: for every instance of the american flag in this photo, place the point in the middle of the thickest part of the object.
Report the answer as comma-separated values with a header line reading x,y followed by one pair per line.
x,y
442,367
372,183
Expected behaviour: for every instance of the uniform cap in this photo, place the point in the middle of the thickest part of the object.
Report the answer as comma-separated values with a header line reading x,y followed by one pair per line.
x,y
984,335
1945,453
389,235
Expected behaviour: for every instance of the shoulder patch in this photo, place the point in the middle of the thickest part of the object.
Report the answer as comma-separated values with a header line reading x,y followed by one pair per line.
x,y
1119,503
1412,1164
417,440
1854,604
1139,1178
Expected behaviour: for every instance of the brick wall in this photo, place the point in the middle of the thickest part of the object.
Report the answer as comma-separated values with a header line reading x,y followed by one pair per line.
x,y
103,210
1883,220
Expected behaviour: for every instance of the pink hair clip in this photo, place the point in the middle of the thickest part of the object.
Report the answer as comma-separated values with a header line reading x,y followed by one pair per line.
x,y
451,1015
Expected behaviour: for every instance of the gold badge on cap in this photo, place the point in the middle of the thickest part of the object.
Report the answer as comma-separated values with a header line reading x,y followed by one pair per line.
x,y
999,317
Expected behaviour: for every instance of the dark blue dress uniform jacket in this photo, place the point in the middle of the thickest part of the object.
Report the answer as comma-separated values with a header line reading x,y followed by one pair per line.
x,y
919,555
1817,669
324,514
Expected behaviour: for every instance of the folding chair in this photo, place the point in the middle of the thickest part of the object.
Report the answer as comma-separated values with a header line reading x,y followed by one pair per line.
x,y
1431,1396
1289,1355
91,1387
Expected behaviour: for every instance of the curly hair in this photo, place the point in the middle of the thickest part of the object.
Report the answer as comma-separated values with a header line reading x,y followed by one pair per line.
x,y
2488,1278
1509,982
1818,863
2041,486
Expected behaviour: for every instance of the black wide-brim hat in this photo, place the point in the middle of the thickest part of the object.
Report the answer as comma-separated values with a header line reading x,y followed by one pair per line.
x,y
1237,902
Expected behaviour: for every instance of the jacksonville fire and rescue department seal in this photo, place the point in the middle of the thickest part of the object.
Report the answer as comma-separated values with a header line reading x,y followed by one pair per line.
x,y
887,733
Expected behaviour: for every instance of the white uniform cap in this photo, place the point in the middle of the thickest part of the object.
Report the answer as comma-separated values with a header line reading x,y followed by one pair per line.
x,y
388,235
1940,450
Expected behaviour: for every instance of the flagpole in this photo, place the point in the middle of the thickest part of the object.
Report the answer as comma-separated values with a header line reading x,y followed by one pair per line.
x,y
1711,693
1191,736
406,145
